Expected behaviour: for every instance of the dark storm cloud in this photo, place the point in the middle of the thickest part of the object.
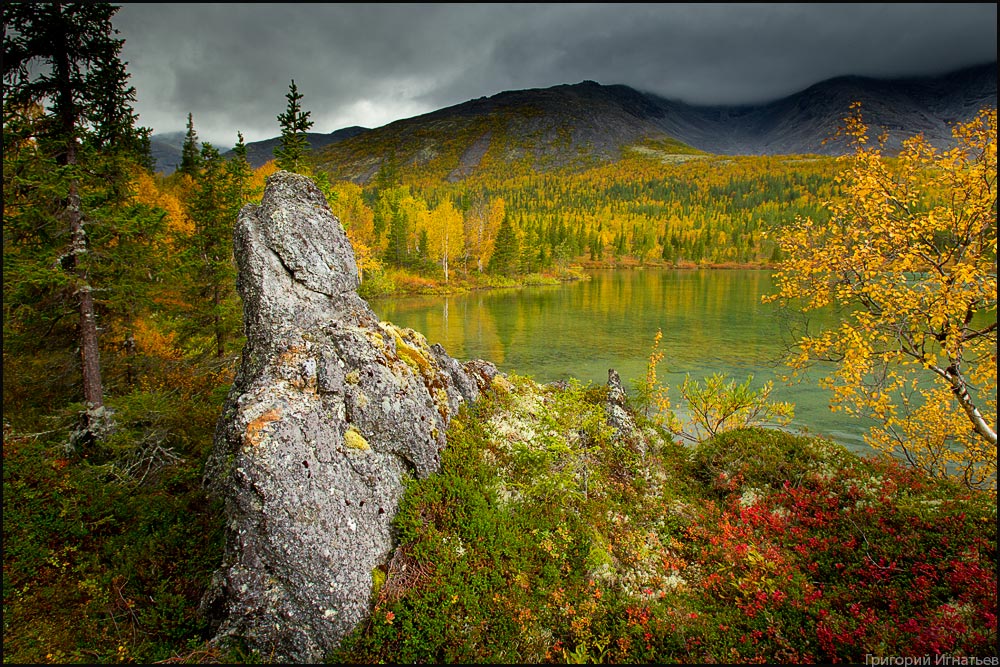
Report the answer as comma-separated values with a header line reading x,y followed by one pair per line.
x,y
370,64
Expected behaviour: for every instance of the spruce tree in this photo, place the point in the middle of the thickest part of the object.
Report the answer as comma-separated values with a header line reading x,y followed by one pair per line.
x,y
290,153
240,170
506,250
190,152
69,143
397,251
212,318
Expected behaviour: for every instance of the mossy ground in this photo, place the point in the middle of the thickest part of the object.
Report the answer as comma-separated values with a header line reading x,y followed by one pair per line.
x,y
541,539
107,551
544,540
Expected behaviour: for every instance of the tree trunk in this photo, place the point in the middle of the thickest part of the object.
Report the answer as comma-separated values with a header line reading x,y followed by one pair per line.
x,y
959,388
93,391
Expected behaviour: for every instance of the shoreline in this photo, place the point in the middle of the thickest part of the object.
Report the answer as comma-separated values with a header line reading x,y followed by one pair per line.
x,y
570,274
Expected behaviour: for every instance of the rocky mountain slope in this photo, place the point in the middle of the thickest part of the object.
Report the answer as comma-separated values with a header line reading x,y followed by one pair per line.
x,y
587,123
260,152
802,122
166,150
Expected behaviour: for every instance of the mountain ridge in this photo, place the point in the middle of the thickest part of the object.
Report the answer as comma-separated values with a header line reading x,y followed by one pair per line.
x,y
588,123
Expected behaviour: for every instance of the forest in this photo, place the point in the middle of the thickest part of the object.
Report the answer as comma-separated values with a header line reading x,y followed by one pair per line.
x,y
123,329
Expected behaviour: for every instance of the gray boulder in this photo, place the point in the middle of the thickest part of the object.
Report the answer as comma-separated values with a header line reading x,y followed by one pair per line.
x,y
330,410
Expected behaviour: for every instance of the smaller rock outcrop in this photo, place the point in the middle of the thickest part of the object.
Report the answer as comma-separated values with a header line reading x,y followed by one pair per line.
x,y
330,410
620,415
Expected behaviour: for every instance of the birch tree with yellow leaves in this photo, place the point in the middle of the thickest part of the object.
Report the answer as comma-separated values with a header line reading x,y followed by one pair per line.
x,y
909,258
445,234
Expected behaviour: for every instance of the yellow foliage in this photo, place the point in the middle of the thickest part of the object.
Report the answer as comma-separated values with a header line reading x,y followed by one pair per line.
x,y
909,255
260,175
147,191
445,233
150,340
359,223
717,406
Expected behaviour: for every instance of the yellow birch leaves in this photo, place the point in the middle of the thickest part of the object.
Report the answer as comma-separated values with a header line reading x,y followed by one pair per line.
x,y
909,257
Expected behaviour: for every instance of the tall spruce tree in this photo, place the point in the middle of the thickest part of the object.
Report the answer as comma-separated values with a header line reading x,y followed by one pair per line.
x,y
212,311
290,153
506,250
190,151
70,142
239,167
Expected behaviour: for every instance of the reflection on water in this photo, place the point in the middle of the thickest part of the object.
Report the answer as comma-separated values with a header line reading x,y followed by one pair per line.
x,y
712,322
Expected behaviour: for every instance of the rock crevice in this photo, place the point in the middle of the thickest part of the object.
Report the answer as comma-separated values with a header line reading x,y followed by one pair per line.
x,y
330,410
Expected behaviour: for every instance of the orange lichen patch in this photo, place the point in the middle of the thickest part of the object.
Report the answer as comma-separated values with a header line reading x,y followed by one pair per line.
x,y
255,429
291,355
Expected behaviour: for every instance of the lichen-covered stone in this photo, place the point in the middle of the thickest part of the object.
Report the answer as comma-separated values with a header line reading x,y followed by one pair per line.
x,y
620,416
329,411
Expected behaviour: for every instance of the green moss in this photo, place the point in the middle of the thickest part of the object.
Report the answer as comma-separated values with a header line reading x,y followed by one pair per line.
x,y
765,458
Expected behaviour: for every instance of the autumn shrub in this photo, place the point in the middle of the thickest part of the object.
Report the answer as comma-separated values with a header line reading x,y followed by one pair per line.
x,y
546,539
843,557
376,284
713,406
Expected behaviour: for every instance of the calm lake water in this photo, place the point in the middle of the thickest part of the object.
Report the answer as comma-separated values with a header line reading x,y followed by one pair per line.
x,y
712,321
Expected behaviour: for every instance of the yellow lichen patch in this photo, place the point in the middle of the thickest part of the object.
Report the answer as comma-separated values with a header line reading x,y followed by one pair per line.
x,y
377,340
415,354
441,401
502,384
354,440
353,377
378,580
410,356
255,429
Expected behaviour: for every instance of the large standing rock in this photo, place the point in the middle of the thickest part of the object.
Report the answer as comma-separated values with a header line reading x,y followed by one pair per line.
x,y
329,411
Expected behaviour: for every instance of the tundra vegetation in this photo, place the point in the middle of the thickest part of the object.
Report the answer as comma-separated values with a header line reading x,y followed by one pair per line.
x,y
543,538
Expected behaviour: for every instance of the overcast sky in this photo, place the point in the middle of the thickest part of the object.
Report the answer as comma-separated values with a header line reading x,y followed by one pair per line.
x,y
371,64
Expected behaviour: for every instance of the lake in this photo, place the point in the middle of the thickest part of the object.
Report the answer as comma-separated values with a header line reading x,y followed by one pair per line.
x,y
712,322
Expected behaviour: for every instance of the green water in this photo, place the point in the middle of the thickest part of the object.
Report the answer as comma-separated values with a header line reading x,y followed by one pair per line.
x,y
712,321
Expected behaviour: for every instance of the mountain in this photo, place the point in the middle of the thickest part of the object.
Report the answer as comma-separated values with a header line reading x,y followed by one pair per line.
x,y
260,152
166,150
166,147
802,122
589,123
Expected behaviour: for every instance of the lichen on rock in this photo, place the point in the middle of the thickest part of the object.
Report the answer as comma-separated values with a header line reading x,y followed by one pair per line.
x,y
329,411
